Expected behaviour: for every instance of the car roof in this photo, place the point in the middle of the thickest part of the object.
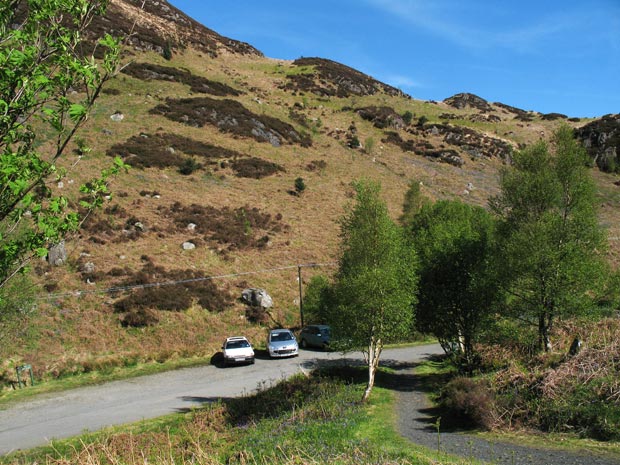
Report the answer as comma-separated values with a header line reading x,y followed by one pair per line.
x,y
281,330
317,326
236,338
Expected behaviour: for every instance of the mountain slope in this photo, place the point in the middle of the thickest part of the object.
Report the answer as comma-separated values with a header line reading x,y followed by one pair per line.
x,y
216,137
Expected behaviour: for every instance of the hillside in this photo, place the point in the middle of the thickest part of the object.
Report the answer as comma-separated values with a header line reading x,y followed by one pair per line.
x,y
216,137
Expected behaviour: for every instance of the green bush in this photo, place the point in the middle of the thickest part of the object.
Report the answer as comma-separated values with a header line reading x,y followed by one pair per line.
x,y
587,411
189,166
167,51
470,401
300,185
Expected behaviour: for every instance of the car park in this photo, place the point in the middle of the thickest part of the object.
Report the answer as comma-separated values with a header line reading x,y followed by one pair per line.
x,y
236,350
282,343
315,336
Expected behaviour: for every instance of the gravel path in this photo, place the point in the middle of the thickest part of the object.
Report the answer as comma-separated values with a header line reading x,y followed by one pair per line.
x,y
417,423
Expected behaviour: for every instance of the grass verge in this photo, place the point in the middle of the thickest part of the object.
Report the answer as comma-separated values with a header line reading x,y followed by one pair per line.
x,y
302,420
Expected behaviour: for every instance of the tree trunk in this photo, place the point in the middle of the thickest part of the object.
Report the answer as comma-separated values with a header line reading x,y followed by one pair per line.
x,y
544,325
374,352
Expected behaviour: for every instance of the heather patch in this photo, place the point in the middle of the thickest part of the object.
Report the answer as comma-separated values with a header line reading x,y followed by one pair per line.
x,y
167,150
227,228
333,79
231,117
151,71
255,168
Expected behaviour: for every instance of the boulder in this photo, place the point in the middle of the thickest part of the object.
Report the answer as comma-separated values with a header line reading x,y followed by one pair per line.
x,y
257,298
57,254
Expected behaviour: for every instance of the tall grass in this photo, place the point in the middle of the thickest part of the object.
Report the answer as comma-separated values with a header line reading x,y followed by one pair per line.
x,y
315,420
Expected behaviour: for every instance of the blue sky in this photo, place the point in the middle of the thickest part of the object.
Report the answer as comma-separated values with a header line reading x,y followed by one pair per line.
x,y
546,55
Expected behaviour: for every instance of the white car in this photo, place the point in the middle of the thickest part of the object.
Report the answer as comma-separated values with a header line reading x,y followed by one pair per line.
x,y
282,343
237,350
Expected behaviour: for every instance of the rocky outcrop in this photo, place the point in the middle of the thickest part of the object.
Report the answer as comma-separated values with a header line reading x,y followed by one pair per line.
x,y
382,117
472,142
155,25
424,148
332,79
466,100
601,138
231,117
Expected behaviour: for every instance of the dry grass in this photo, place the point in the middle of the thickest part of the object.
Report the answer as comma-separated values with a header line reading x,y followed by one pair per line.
x,y
563,393
75,331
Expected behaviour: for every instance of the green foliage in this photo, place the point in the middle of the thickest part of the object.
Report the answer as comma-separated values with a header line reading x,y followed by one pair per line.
x,y
41,63
550,238
458,289
414,200
314,420
407,117
300,185
317,300
167,51
422,120
18,303
369,145
558,393
188,166
354,142
375,285
584,409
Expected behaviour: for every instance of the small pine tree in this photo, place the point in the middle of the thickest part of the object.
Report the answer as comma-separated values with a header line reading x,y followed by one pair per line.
x,y
300,185
407,117
167,51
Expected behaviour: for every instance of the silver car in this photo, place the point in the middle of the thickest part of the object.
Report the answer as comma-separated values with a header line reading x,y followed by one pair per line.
x,y
282,343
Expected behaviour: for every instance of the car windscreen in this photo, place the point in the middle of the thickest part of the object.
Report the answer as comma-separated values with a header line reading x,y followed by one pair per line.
x,y
237,344
283,336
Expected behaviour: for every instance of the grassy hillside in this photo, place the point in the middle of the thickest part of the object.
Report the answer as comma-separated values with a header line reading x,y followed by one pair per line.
x,y
216,138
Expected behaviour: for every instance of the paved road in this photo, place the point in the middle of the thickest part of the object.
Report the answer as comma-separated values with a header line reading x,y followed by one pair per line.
x,y
67,414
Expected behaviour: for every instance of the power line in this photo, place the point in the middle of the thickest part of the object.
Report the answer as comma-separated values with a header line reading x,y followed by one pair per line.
x,y
116,289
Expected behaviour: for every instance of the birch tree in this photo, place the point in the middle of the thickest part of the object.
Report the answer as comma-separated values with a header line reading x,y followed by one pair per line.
x,y
375,284
551,242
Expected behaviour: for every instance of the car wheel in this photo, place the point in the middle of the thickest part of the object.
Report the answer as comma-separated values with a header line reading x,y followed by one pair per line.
x,y
304,344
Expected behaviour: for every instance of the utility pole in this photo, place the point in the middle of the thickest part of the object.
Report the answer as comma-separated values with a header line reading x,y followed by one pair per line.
x,y
301,303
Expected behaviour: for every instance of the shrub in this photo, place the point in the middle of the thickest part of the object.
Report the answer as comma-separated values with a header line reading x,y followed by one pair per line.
x,y
190,288
256,314
562,393
189,166
316,165
469,400
227,228
300,185
354,142
139,318
407,117
255,168
167,51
